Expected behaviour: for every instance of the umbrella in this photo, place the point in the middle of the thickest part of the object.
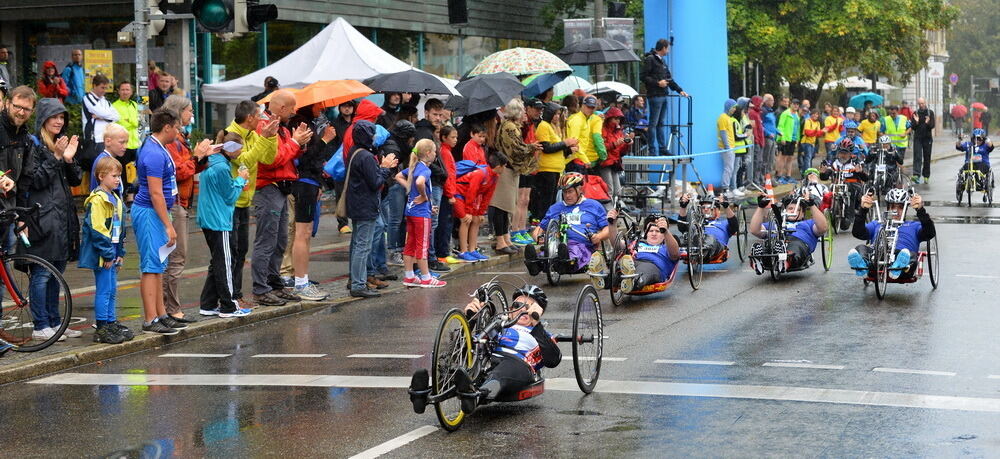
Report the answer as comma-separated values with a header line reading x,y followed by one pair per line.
x,y
567,86
488,92
328,92
959,111
612,86
541,82
859,100
412,80
520,61
978,106
597,51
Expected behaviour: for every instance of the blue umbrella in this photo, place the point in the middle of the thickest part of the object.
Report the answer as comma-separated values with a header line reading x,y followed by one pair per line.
x,y
859,100
539,83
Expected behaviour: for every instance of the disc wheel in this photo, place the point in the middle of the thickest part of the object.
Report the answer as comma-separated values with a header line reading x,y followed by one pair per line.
x,y
742,236
696,257
827,245
588,339
617,295
881,265
16,320
552,239
452,351
933,262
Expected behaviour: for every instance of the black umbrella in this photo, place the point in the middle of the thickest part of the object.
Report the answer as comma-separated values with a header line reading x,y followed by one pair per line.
x,y
597,51
407,81
488,92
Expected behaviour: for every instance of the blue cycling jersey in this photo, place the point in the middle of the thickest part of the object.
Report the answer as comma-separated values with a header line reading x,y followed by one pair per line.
x,y
585,217
719,229
802,231
907,235
657,255
982,150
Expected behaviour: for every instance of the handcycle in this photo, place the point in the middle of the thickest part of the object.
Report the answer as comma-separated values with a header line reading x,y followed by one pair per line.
x,y
16,320
882,175
841,200
554,264
468,344
627,241
883,251
777,230
972,180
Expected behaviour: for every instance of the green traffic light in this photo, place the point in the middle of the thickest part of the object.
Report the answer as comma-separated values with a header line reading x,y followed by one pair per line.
x,y
213,14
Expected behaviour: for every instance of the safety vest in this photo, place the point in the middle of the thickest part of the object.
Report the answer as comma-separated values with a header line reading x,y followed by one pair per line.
x,y
896,127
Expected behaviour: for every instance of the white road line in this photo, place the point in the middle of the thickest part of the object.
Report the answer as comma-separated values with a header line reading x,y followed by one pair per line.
x,y
290,356
591,359
977,276
913,372
500,273
993,377
202,356
395,443
803,365
731,391
695,362
385,356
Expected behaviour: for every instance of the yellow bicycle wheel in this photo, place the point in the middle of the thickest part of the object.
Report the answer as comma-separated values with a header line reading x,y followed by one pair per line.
x,y
452,352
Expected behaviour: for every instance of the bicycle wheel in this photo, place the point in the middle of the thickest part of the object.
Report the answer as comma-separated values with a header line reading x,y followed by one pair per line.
x,y
933,262
495,302
969,188
742,243
588,339
959,189
989,190
552,238
452,351
696,257
827,246
837,213
617,295
881,265
17,319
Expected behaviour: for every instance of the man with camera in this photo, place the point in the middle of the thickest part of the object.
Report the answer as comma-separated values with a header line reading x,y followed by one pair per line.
x,y
923,138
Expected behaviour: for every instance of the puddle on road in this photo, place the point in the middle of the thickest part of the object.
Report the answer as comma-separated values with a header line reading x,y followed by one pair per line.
x,y
964,219
963,205
581,413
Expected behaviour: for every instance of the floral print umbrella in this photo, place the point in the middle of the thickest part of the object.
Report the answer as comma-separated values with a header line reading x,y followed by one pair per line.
x,y
520,61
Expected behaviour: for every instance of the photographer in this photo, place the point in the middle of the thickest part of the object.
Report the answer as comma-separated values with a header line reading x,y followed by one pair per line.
x,y
51,84
923,138
618,143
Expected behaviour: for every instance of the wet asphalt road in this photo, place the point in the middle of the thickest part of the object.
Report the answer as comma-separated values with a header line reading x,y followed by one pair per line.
x,y
778,362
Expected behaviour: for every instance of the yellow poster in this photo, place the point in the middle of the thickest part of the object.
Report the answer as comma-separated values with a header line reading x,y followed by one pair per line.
x,y
97,61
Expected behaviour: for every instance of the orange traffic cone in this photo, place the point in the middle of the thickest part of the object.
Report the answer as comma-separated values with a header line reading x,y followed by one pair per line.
x,y
710,190
768,187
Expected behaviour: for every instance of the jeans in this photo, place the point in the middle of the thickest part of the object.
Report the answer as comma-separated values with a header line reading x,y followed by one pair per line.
x,y
442,234
361,246
105,293
658,125
436,193
376,259
741,163
394,218
44,295
806,156
728,169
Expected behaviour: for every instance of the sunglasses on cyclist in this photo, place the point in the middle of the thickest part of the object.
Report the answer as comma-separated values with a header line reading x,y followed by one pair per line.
x,y
518,305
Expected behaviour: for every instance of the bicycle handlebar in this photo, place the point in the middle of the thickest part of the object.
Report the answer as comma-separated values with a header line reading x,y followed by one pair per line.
x,y
16,212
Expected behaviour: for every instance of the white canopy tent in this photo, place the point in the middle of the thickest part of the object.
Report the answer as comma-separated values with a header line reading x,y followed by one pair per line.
x,y
338,52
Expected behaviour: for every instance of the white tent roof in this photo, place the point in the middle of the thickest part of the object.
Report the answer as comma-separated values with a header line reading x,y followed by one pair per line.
x,y
612,86
338,52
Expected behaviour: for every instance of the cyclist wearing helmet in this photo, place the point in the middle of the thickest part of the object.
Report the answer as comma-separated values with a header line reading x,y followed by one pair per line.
x,y
853,173
653,259
977,151
819,192
851,133
718,230
893,159
523,349
803,234
911,233
588,223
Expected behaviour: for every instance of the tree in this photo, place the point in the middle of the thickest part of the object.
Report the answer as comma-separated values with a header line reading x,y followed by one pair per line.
x,y
820,40
972,42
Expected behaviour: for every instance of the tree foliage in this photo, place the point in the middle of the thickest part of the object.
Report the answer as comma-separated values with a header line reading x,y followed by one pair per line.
x,y
823,40
972,41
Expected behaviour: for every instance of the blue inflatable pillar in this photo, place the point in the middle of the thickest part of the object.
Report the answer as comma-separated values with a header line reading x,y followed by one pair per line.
x,y
698,61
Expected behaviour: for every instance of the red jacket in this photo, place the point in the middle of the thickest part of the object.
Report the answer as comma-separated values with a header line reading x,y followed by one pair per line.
x,y
57,89
283,167
368,111
758,123
473,151
475,191
185,167
450,187
615,153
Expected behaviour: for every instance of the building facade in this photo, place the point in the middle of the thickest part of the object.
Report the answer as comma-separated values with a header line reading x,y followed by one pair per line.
x,y
930,83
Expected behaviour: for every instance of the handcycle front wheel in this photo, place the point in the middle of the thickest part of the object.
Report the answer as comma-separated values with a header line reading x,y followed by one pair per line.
x,y
452,351
617,295
826,247
742,236
16,320
933,262
588,339
880,265
552,238
695,255
496,302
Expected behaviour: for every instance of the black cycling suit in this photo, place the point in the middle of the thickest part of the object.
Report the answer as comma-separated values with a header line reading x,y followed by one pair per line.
x,y
511,374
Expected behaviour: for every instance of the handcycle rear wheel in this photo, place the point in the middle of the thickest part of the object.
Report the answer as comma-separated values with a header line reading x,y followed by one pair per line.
x,y
933,262
826,246
552,238
881,265
16,319
452,351
696,257
742,236
617,295
588,339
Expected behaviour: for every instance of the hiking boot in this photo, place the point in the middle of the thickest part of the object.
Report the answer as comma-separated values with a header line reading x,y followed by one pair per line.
x,y
268,299
374,283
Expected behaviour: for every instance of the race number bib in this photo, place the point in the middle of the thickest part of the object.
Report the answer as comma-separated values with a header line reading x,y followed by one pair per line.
x,y
977,158
646,248
790,226
880,168
573,218
116,230
173,185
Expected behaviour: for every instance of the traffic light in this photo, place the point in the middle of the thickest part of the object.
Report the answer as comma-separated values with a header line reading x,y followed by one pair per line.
x,y
214,16
257,14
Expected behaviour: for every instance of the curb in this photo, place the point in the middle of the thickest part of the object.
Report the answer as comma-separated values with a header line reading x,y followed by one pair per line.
x,y
144,341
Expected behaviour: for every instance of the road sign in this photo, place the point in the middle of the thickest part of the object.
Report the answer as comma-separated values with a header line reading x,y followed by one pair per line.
x,y
953,78
935,70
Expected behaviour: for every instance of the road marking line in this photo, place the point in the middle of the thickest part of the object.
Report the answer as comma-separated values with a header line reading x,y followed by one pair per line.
x,y
385,356
977,276
591,359
913,372
993,377
731,391
290,356
695,362
397,442
803,365
206,356
501,273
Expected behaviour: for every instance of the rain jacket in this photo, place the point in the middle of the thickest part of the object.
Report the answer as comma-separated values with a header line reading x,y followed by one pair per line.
x,y
217,194
770,122
73,76
789,126
128,118
653,70
185,167
17,151
102,213
585,130
365,176
366,111
57,89
256,150
282,169
758,121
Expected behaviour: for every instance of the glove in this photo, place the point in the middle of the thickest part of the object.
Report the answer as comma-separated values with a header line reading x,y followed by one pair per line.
x,y
763,201
723,204
683,202
808,202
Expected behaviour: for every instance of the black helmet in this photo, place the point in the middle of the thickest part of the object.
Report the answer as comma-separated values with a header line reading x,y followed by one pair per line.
x,y
706,198
3,87
534,292
404,129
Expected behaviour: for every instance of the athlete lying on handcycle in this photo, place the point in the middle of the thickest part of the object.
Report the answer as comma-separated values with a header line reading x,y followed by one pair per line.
x,y
978,153
653,258
587,222
911,233
718,230
801,238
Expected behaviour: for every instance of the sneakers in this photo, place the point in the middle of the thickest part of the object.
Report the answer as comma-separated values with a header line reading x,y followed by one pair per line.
x,y
122,330
208,312
172,323
267,299
597,270
521,238
927,180
531,260
108,335
46,333
309,292
858,263
451,260
157,327
288,281
628,269
915,180
70,333
285,295
236,313
437,266
739,192
396,259
432,283
184,319
411,281
468,257
902,262
366,293
478,255
345,229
